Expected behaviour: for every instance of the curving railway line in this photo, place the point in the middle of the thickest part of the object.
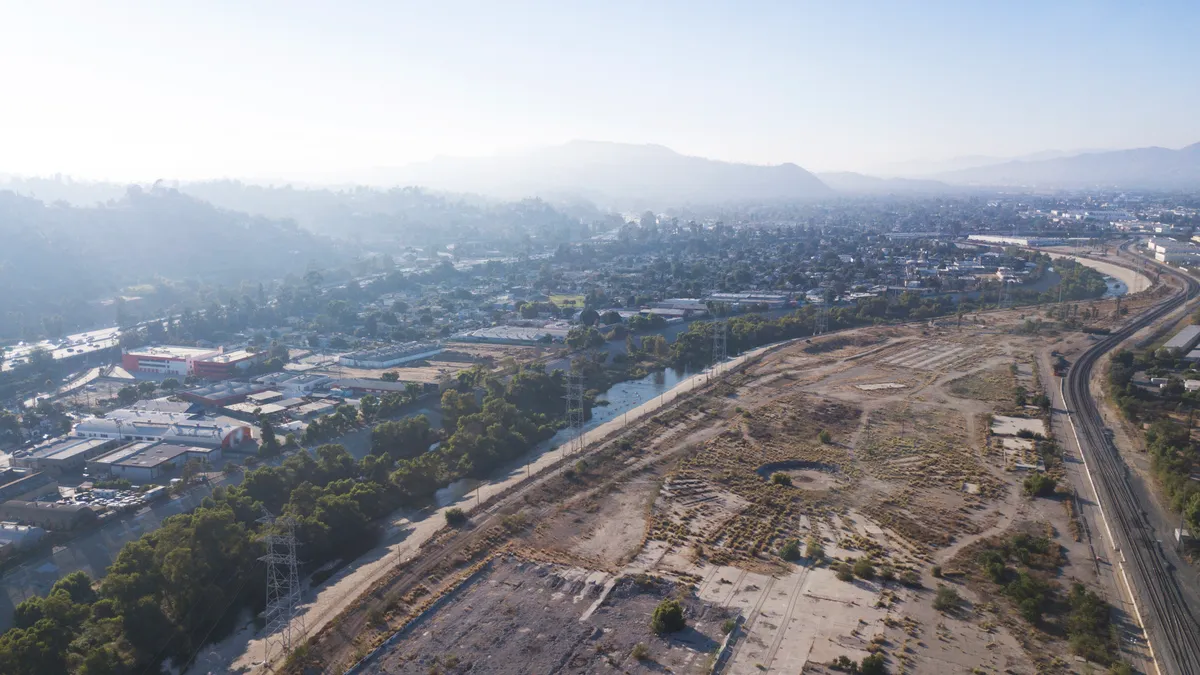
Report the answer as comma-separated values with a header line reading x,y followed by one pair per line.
x,y
1171,627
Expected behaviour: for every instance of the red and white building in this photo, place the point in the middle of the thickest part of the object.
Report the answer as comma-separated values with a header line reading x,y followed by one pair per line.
x,y
173,361
212,364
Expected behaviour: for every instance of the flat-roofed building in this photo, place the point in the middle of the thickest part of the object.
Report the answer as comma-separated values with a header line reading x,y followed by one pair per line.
x,y
360,386
145,462
164,360
1185,340
293,385
391,355
264,397
65,454
25,483
251,411
217,433
221,394
225,365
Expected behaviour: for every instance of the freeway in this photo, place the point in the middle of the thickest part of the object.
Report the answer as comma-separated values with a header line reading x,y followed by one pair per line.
x,y
1173,631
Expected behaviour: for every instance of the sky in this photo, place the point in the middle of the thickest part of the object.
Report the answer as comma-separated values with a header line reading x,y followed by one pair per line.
x,y
208,89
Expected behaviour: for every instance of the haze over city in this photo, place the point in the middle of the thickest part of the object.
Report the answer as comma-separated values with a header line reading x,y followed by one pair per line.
x,y
328,91
509,338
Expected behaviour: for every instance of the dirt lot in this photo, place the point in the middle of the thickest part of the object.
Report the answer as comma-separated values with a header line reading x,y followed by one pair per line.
x,y
886,453
518,616
445,365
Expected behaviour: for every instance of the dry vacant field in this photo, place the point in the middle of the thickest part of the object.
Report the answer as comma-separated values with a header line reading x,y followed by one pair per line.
x,y
877,446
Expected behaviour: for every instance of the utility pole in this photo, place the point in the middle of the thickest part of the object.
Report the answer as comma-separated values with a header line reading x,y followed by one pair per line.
x,y
821,321
284,624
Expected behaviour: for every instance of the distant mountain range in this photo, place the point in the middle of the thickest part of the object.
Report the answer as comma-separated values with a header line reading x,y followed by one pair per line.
x,y
1145,168
613,175
849,182
928,168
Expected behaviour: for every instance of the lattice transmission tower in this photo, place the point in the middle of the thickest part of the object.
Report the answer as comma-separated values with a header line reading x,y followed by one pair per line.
x,y
575,411
284,624
821,320
720,343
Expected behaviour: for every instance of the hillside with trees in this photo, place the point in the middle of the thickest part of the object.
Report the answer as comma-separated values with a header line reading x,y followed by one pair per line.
x,y
78,262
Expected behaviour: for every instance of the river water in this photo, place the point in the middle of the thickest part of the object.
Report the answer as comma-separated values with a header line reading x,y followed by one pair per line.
x,y
622,397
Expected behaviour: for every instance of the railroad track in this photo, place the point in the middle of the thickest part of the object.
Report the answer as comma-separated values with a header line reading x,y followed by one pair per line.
x,y
1172,629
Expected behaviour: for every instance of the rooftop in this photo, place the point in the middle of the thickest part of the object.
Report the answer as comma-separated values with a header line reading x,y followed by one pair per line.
x,y
166,352
65,448
232,357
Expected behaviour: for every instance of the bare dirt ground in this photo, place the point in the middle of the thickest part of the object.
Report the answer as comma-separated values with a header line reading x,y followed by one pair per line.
x,y
456,358
520,616
904,475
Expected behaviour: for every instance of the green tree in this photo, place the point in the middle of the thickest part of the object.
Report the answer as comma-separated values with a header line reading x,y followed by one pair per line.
x,y
390,376
269,444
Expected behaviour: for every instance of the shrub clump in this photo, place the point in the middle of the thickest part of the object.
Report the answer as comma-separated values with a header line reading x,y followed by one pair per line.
x,y
844,573
863,569
946,599
790,550
667,617
1040,485
780,478
456,517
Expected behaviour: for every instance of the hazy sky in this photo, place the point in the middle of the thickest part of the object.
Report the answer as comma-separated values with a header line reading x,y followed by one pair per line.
x,y
142,90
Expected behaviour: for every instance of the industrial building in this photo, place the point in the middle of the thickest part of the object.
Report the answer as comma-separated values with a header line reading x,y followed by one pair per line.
x,y
25,483
1185,340
14,537
227,364
517,334
1013,241
145,461
359,386
213,364
209,433
293,385
771,300
221,394
65,454
391,355
169,361
48,515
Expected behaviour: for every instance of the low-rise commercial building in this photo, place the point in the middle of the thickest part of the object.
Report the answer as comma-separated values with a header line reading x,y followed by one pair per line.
x,y
362,386
1185,340
210,433
65,454
15,536
145,462
48,515
225,365
25,483
164,360
293,385
391,355
221,394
